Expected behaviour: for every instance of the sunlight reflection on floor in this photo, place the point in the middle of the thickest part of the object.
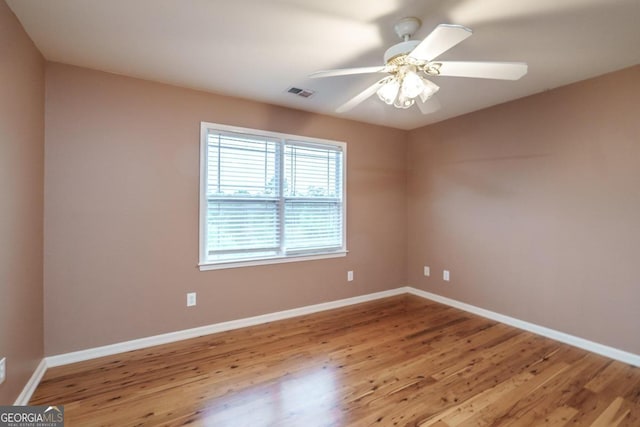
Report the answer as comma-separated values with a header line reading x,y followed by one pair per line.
x,y
306,398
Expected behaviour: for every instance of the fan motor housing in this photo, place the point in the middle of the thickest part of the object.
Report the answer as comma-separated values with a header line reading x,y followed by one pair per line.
x,y
402,48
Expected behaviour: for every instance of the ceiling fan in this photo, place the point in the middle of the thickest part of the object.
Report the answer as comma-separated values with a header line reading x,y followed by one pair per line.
x,y
410,61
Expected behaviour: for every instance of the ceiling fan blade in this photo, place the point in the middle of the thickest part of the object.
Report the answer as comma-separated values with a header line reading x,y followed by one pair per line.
x,y
361,96
430,106
483,70
348,71
443,38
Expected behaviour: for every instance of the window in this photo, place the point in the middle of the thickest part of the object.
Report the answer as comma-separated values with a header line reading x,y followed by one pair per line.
x,y
268,197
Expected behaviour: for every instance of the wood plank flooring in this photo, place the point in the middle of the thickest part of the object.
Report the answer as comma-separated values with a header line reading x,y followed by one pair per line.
x,y
401,361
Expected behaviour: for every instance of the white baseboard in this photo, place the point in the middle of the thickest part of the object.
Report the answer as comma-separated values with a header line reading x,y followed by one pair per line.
x,y
594,347
111,349
32,384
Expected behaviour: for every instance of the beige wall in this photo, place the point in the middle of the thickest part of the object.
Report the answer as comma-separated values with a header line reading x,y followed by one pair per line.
x,y
534,206
21,203
121,238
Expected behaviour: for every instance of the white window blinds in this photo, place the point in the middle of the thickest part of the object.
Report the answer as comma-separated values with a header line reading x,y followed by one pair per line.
x,y
269,196
313,197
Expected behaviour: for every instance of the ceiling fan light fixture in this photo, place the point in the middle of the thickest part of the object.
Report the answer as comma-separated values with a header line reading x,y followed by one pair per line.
x,y
403,101
389,91
402,89
412,84
430,89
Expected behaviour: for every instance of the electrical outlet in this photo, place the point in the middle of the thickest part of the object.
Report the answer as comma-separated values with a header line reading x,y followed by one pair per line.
x,y
427,270
191,299
445,275
3,369
350,276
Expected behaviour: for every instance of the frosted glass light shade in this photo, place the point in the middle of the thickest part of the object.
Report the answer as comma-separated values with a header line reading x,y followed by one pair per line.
x,y
403,101
389,91
412,85
430,89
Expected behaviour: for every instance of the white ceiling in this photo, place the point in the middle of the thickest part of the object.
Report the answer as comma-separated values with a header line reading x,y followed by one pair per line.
x,y
256,49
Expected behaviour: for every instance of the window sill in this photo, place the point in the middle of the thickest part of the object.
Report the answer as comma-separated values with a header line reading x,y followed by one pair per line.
x,y
266,261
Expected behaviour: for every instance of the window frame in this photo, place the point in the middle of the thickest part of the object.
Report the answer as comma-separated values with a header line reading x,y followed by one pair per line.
x,y
206,264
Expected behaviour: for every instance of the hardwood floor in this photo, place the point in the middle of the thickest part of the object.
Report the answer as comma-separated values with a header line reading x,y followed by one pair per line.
x,y
401,361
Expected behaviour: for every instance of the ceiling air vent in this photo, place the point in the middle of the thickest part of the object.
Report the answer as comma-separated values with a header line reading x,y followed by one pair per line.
x,y
305,93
